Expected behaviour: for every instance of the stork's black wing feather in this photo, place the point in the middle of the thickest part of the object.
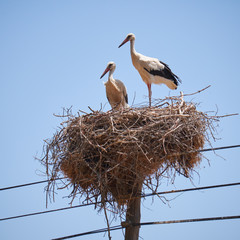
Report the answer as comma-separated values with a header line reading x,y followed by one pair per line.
x,y
166,72
126,98
170,72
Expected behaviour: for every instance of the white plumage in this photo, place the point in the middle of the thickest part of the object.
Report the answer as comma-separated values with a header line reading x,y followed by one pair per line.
x,y
115,89
151,69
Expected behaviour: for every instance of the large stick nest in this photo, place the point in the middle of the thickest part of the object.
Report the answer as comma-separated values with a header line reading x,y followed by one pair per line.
x,y
104,156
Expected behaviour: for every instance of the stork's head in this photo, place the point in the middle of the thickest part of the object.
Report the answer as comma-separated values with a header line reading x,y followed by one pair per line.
x,y
130,37
110,67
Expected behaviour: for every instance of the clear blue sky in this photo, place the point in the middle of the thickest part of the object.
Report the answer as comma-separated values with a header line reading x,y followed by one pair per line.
x,y
52,54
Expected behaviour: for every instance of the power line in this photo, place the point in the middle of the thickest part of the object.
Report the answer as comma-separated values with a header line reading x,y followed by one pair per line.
x,y
218,148
44,181
27,184
145,195
190,220
43,212
151,223
90,232
193,189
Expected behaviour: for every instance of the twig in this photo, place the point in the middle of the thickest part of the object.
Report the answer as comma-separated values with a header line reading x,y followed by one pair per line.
x,y
190,94
108,225
92,109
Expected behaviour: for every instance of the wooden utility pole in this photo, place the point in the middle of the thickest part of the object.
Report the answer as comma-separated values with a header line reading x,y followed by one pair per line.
x,y
133,215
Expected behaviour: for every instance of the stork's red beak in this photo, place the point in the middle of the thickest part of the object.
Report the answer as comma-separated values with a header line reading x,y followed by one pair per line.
x,y
125,40
106,70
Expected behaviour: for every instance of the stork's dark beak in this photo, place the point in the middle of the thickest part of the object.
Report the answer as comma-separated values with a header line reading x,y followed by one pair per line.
x,y
125,40
106,70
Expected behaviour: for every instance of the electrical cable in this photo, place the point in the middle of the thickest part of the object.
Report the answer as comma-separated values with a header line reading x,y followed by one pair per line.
x,y
91,232
192,189
43,212
217,148
151,223
27,184
145,195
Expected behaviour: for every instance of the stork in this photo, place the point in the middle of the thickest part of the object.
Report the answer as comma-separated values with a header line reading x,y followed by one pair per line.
x,y
151,69
115,89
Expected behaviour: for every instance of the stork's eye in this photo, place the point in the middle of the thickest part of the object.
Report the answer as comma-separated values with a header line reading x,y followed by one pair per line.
x,y
110,65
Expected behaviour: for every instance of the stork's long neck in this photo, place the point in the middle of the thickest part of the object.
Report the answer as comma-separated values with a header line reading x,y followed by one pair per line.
x,y
110,76
132,48
112,82
134,54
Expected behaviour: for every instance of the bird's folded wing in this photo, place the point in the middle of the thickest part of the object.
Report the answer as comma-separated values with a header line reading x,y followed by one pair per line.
x,y
122,88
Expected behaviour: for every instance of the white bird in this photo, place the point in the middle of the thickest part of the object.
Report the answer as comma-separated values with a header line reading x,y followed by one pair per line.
x,y
115,89
151,69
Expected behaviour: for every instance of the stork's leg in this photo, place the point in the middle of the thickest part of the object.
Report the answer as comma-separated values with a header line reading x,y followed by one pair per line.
x,y
149,94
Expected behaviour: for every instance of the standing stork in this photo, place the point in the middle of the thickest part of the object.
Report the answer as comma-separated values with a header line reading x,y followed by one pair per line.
x,y
151,69
115,89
